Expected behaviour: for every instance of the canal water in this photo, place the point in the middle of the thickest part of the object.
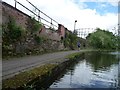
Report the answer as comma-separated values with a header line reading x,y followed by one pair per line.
x,y
93,70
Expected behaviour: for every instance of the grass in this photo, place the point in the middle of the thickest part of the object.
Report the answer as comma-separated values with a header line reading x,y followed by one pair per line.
x,y
72,56
25,77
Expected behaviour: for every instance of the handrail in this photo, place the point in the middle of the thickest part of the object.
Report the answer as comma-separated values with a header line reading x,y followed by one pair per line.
x,y
39,17
42,12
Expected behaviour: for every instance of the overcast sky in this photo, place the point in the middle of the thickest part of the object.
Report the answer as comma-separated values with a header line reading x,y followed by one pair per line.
x,y
88,13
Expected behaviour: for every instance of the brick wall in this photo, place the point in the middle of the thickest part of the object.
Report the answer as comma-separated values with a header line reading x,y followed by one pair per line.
x,y
19,16
53,37
61,30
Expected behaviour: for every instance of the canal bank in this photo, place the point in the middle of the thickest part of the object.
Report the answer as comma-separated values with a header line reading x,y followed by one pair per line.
x,y
40,77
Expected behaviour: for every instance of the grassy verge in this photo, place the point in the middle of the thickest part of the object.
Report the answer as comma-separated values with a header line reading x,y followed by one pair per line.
x,y
25,77
73,56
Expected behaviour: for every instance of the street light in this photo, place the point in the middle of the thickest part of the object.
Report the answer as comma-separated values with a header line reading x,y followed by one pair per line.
x,y
75,25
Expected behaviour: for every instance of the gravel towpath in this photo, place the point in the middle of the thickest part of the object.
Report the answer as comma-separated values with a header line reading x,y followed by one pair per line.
x,y
16,65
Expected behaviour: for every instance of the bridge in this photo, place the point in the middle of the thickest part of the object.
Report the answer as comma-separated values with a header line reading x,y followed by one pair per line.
x,y
83,32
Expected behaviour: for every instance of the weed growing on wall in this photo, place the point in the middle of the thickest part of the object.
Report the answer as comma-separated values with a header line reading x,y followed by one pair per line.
x,y
11,34
34,25
38,39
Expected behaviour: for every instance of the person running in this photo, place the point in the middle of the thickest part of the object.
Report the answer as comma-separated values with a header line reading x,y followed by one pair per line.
x,y
78,45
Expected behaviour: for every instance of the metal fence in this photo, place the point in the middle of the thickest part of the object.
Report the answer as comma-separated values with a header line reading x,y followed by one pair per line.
x,y
39,16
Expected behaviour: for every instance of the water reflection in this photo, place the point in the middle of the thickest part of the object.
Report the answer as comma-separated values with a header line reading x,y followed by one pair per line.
x,y
100,60
92,70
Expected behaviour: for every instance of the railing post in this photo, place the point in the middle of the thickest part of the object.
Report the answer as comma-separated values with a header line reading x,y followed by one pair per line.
x,y
51,23
15,3
39,16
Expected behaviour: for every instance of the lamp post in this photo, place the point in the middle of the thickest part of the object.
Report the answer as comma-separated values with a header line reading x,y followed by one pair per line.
x,y
75,25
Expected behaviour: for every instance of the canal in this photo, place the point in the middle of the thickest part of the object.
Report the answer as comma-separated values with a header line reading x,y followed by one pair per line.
x,y
93,70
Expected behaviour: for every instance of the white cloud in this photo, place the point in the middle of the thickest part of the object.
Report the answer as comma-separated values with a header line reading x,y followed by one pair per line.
x,y
103,5
66,12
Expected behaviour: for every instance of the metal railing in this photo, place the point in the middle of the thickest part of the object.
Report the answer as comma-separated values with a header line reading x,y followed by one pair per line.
x,y
38,15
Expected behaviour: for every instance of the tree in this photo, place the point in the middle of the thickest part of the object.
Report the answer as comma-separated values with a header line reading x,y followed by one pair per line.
x,y
102,39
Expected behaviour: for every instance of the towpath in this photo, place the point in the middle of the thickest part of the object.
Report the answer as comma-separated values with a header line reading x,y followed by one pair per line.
x,y
17,65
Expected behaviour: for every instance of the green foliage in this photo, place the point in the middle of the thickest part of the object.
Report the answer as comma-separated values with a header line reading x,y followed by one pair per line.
x,y
38,39
12,32
118,42
22,79
73,56
15,32
102,39
34,25
70,40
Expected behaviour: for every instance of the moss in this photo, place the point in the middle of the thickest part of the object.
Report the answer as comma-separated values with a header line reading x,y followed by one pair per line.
x,y
23,78
73,55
